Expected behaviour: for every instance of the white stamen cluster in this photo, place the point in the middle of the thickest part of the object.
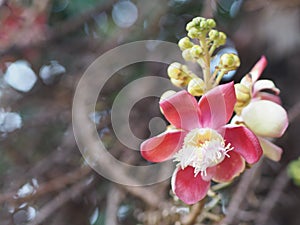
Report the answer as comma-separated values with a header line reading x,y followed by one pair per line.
x,y
202,148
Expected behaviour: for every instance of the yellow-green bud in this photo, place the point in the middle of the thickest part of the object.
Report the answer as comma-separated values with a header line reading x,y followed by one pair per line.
x,y
194,33
194,23
185,43
222,38
243,97
189,25
186,54
242,93
196,51
175,70
211,23
196,87
197,20
229,61
294,171
203,25
179,74
213,34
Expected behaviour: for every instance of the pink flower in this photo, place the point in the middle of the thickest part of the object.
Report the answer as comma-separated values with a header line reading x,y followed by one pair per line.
x,y
263,114
204,147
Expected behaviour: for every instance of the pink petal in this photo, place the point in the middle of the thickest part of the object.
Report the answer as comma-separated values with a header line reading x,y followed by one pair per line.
x,y
229,168
244,142
216,106
163,146
271,150
181,110
187,187
258,68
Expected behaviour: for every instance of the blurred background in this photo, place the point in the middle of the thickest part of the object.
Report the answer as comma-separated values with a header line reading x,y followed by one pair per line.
x,y
45,47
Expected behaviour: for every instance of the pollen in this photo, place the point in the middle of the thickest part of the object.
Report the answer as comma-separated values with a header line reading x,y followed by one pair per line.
x,y
202,148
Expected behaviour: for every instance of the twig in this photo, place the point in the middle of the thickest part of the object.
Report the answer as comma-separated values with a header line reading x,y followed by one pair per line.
x,y
51,186
59,201
196,210
145,194
272,198
67,145
114,198
239,195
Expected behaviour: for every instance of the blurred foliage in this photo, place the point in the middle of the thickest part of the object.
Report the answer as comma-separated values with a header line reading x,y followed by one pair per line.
x,y
294,171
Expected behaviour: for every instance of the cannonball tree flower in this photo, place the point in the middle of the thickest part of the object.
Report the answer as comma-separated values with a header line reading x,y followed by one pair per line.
x,y
201,143
261,111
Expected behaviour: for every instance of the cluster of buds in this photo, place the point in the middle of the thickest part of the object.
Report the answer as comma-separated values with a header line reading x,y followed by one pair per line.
x,y
199,27
198,46
180,75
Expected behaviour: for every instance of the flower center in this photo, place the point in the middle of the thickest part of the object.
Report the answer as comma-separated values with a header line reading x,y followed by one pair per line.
x,y
202,148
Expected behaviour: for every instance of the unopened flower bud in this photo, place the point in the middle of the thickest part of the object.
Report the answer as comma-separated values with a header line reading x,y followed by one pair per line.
x,y
229,61
211,23
203,25
213,34
196,87
242,93
243,97
196,51
175,70
194,33
222,39
186,54
185,43
189,25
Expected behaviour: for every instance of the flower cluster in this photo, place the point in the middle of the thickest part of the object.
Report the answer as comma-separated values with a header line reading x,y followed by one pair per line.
x,y
202,139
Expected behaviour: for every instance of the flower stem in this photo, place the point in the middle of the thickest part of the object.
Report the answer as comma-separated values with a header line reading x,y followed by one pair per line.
x,y
206,62
212,49
196,210
219,77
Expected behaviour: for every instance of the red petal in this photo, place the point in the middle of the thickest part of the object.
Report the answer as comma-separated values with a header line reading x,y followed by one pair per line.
x,y
229,168
216,106
244,142
187,187
258,68
181,110
163,146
